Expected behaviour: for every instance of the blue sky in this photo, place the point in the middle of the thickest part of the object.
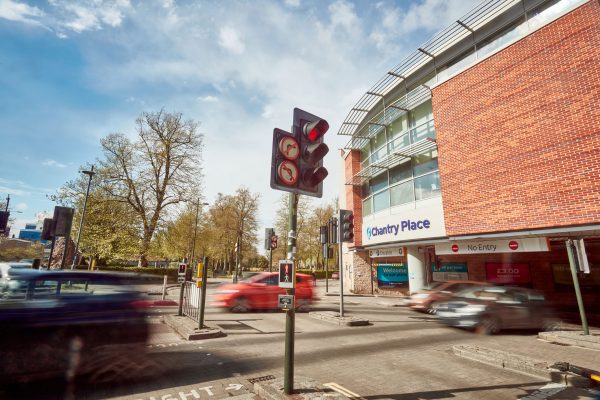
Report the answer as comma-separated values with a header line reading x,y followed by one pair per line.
x,y
72,72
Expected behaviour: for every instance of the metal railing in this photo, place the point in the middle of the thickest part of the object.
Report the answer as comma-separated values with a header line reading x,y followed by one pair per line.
x,y
191,301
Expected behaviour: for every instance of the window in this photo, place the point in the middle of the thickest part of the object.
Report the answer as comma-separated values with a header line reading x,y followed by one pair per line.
x,y
379,182
402,193
427,186
400,173
366,207
425,163
381,201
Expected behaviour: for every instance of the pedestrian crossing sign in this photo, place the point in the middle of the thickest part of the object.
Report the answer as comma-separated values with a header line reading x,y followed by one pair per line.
x,y
287,277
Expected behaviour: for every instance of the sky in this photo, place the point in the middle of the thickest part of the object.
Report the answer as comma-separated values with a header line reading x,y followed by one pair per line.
x,y
72,72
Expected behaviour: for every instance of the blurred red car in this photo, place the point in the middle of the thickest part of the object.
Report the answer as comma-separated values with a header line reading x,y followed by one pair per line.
x,y
261,291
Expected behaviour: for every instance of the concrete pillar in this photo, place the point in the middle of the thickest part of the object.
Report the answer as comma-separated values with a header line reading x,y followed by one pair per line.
x,y
416,269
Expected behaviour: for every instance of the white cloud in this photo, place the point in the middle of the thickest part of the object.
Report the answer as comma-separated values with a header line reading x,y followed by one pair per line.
x,y
208,99
20,12
230,40
53,163
21,206
292,3
342,14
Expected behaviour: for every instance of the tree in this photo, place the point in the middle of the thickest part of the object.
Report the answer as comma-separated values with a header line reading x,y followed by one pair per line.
x,y
111,230
159,169
282,227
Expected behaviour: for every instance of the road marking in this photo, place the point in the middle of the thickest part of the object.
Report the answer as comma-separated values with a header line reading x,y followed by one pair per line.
x,y
545,391
340,389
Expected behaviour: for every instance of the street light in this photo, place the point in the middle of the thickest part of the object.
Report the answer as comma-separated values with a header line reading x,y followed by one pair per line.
x,y
196,230
90,173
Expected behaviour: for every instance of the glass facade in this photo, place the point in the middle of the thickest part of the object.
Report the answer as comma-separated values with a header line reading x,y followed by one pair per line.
x,y
412,178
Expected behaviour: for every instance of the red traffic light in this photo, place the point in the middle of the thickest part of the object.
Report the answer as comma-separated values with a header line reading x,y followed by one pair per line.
x,y
314,130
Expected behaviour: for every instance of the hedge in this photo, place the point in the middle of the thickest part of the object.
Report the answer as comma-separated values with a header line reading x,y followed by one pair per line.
x,y
159,272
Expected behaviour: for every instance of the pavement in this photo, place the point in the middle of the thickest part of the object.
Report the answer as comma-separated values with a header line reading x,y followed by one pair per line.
x,y
537,358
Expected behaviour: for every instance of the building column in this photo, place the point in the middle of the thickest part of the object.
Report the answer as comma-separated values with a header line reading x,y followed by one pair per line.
x,y
416,268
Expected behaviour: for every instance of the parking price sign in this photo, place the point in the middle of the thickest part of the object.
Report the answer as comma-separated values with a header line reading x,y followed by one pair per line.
x,y
286,274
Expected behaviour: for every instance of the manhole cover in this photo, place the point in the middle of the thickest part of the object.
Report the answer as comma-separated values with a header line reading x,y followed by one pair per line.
x,y
261,379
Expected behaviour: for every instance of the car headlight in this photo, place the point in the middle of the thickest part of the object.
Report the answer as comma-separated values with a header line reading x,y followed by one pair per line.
x,y
420,296
227,291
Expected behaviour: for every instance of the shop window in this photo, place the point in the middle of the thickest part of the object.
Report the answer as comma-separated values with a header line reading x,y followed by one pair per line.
x,y
381,201
402,193
427,186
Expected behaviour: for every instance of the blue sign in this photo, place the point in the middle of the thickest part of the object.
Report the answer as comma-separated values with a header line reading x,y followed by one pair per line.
x,y
392,275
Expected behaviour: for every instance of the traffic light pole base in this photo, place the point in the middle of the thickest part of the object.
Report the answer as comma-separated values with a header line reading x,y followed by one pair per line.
x,y
305,388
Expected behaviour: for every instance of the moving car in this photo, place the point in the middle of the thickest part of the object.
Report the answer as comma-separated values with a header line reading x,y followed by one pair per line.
x,y
261,291
54,322
8,270
425,300
489,309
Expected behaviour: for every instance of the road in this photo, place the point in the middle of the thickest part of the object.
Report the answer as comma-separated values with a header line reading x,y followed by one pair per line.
x,y
401,355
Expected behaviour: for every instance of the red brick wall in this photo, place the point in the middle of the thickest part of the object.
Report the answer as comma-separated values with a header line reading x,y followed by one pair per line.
x,y
519,133
353,193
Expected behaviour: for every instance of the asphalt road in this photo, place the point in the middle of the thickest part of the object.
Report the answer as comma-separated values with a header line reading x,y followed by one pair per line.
x,y
401,355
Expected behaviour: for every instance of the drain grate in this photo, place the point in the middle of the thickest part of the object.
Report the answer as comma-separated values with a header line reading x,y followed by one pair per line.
x,y
235,326
261,379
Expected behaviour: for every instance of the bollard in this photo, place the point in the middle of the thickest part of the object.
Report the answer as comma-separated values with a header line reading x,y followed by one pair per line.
x,y
164,293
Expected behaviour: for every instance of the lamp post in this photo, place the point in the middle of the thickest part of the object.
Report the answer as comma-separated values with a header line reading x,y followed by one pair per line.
x,y
90,173
196,230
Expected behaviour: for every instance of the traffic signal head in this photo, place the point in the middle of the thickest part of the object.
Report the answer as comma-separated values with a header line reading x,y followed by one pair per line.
x,y
346,226
309,130
3,220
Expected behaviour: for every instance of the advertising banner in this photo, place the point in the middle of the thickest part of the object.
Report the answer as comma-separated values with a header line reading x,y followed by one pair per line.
x,y
449,272
507,273
392,275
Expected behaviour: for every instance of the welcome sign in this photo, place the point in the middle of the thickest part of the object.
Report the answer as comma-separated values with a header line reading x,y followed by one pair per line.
x,y
392,275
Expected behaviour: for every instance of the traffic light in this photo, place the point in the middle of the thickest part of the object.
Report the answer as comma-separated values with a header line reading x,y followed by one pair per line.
x,y
47,233
297,158
346,226
269,233
324,234
309,130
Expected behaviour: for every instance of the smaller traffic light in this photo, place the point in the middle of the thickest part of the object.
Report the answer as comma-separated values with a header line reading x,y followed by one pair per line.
x,y
47,233
346,226
3,220
274,242
324,234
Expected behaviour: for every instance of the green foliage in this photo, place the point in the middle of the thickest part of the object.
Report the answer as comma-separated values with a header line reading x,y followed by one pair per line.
x,y
14,251
320,274
159,272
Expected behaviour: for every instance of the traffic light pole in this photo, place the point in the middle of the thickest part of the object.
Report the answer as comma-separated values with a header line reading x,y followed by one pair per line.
x,y
290,315
341,273
271,260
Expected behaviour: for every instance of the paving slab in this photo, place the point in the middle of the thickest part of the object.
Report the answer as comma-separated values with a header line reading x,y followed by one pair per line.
x,y
335,318
304,389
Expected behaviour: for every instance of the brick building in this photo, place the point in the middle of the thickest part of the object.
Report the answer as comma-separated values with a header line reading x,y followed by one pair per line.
x,y
479,155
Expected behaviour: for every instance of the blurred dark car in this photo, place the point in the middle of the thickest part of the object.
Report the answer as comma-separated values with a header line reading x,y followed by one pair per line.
x,y
65,323
489,309
261,291
427,299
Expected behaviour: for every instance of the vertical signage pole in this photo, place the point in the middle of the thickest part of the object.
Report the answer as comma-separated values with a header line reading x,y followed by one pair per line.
x,y
341,271
290,315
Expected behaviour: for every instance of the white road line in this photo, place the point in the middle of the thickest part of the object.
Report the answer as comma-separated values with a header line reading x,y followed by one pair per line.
x,y
340,389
